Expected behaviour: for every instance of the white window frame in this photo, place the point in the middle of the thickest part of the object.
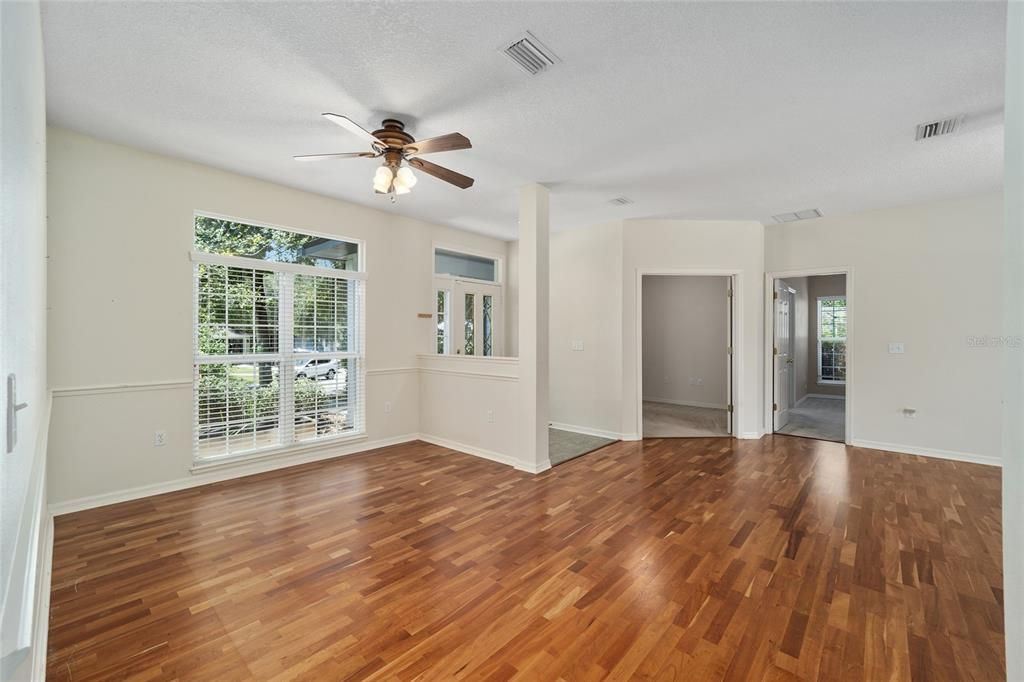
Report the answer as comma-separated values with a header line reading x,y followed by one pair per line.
x,y
285,356
817,331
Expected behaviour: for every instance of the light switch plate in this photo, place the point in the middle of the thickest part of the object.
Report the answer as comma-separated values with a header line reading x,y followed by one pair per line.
x,y
577,345
896,348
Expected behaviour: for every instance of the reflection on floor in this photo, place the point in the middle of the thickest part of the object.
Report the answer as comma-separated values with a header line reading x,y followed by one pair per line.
x,y
566,445
822,418
663,420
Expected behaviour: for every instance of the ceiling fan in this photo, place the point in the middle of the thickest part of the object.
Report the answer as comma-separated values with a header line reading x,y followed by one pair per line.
x,y
400,151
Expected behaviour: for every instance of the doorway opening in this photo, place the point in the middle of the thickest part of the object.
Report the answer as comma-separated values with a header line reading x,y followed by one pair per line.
x,y
809,355
686,342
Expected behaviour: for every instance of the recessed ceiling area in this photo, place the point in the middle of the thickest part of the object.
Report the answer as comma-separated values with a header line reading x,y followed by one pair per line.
x,y
696,110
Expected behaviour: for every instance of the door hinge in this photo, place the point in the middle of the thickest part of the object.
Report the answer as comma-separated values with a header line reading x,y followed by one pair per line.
x,y
729,350
775,294
775,350
775,407
730,293
730,407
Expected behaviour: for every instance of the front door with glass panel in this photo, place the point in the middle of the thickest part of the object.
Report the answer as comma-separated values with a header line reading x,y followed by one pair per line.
x,y
472,319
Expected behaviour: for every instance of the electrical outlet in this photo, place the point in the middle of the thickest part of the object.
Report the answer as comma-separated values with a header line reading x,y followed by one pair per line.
x,y
387,407
490,416
896,348
160,439
910,412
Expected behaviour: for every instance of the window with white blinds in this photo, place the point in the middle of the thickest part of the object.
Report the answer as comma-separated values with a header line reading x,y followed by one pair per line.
x,y
278,355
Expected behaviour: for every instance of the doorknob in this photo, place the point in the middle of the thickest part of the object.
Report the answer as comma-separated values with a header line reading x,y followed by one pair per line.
x,y
13,407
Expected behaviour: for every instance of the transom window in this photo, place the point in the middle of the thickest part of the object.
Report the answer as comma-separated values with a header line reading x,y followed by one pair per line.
x,y
278,334
832,339
465,265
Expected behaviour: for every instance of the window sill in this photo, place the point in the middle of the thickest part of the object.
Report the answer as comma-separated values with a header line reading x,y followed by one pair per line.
x,y
203,465
826,382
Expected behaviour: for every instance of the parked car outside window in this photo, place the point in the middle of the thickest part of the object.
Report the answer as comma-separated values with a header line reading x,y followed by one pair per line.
x,y
316,368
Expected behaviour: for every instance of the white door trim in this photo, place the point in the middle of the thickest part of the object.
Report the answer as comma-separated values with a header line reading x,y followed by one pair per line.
x,y
769,340
736,341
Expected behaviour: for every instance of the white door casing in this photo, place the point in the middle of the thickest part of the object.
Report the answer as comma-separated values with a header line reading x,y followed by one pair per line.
x,y
729,352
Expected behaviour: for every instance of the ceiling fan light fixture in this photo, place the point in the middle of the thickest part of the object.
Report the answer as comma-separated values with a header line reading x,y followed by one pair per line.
x,y
382,180
405,177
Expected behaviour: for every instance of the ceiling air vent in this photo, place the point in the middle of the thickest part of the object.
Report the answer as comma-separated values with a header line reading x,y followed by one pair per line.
x,y
805,214
620,201
531,54
945,126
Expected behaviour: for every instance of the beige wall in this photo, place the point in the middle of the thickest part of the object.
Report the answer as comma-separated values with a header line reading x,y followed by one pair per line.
x,y
120,318
472,404
818,286
929,276
586,304
685,337
593,300
512,301
701,245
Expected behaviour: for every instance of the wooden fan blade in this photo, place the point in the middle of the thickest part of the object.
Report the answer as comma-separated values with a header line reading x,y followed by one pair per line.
x,y
353,127
345,155
442,173
445,143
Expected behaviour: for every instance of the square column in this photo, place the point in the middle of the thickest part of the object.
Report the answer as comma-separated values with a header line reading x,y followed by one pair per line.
x,y
533,326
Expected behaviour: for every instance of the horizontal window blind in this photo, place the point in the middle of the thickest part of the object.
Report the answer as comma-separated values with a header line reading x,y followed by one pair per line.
x,y
278,355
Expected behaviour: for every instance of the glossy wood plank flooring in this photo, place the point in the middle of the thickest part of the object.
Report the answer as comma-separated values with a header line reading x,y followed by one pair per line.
x,y
702,559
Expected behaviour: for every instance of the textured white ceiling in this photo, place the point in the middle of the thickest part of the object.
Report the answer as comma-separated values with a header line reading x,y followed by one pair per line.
x,y
703,110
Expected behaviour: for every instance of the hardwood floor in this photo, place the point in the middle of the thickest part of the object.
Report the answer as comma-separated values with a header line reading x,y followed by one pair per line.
x,y
702,559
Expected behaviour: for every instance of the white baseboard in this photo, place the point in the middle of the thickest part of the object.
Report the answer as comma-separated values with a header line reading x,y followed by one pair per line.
x,y
481,452
685,403
41,628
827,396
586,430
750,435
928,452
223,474
536,470
631,437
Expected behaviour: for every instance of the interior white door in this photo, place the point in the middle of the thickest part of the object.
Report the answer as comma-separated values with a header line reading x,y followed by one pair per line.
x,y
476,315
783,354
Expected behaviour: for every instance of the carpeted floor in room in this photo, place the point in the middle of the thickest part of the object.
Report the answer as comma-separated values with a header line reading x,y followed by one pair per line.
x,y
665,420
821,418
